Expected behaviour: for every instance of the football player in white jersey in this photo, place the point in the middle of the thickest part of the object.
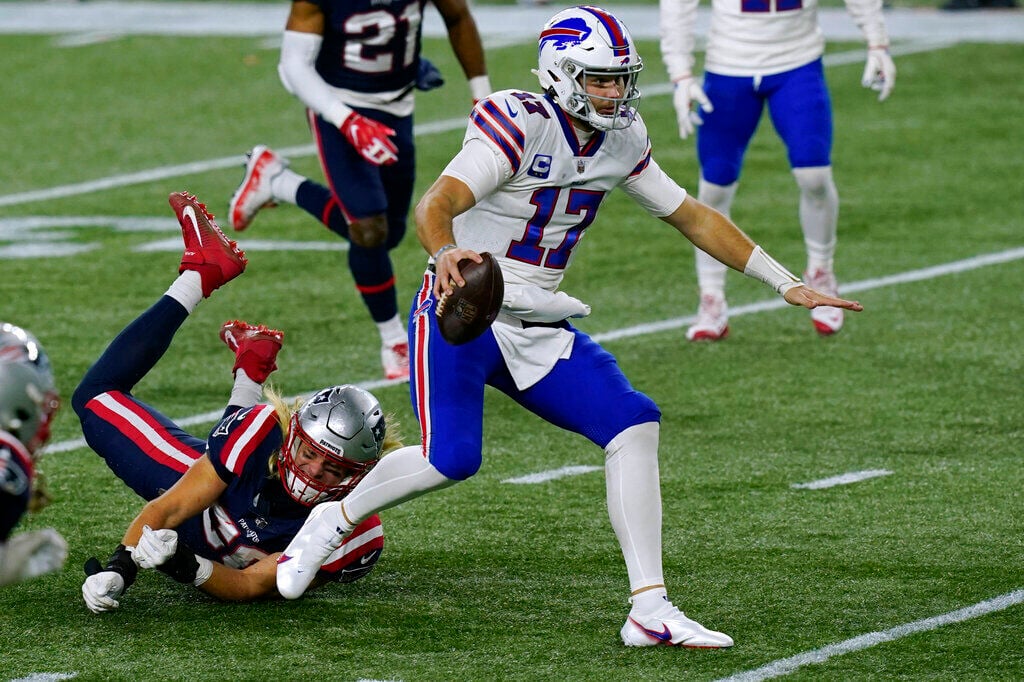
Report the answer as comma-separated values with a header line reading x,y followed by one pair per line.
x,y
526,185
765,51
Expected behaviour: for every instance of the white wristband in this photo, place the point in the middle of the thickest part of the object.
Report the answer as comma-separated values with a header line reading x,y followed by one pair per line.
x,y
204,572
480,87
765,268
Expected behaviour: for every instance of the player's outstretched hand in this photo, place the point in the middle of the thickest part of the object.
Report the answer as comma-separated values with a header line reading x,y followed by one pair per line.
x,y
811,298
879,72
687,92
371,139
155,547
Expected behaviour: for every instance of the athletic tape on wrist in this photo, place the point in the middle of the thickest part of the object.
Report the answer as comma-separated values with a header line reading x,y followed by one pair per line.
x,y
763,267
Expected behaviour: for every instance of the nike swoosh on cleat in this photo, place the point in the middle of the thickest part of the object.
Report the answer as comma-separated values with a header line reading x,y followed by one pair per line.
x,y
663,636
190,213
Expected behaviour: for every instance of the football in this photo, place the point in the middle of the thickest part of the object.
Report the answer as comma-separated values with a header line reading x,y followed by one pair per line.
x,y
469,310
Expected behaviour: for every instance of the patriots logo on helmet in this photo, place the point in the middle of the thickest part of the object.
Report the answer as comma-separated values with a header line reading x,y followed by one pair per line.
x,y
565,34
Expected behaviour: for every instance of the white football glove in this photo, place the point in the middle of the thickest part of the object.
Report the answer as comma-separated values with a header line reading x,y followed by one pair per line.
x,y
101,590
32,554
155,547
879,72
687,91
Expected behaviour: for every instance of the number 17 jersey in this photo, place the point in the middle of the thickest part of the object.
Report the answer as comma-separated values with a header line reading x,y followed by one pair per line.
x,y
539,182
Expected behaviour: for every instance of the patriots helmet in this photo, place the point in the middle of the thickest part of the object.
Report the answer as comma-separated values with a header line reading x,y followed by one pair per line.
x,y
589,41
28,394
344,424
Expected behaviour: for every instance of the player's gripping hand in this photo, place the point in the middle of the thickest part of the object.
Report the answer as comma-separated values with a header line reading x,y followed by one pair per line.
x,y
155,547
371,139
102,590
879,72
688,91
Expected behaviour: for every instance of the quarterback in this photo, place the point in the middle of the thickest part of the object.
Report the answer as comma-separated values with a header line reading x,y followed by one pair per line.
x,y
765,52
526,186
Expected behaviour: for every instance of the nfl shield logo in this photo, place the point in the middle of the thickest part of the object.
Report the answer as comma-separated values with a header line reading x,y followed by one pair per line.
x,y
580,168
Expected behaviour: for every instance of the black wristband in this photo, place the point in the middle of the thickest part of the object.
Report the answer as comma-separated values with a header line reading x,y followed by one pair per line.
x,y
183,566
120,562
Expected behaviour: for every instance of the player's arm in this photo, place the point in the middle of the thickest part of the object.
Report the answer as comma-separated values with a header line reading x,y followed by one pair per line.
x,y
465,40
879,69
300,46
252,582
142,546
474,172
718,236
199,488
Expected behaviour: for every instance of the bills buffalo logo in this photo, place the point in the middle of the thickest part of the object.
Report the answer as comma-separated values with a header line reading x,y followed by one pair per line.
x,y
565,34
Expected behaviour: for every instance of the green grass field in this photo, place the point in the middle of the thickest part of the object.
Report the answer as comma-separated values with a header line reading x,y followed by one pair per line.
x,y
493,581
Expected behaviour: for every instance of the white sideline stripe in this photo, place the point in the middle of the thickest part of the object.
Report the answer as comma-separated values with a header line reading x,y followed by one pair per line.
x,y
842,479
45,677
553,474
430,128
639,330
965,265
785,666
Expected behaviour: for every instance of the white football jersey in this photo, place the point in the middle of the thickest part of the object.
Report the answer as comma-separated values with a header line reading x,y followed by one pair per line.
x,y
756,37
539,182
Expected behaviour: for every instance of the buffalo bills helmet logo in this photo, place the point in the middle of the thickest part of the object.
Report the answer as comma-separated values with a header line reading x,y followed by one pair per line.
x,y
565,34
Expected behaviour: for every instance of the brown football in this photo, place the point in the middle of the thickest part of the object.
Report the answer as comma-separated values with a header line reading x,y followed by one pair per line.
x,y
469,310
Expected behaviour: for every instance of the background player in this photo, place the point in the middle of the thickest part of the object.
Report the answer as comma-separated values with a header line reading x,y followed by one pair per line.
x,y
531,175
28,403
356,65
219,510
758,52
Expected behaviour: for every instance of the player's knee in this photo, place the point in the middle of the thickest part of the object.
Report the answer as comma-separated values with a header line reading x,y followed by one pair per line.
x,y
82,395
815,183
370,232
457,461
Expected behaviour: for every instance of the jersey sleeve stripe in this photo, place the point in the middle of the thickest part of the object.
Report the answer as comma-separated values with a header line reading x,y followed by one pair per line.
x,y
499,117
139,426
644,163
244,439
495,136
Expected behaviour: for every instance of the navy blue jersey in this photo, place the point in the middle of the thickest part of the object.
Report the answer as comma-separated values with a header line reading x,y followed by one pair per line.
x,y
16,475
370,45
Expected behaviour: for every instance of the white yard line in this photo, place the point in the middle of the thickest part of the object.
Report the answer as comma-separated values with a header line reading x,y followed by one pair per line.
x,y
842,479
553,474
785,666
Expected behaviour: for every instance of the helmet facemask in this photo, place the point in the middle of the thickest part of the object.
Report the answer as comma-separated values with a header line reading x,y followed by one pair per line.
x,y
345,426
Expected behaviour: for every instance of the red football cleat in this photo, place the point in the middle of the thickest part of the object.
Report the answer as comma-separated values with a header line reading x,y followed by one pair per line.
x,y
208,251
255,347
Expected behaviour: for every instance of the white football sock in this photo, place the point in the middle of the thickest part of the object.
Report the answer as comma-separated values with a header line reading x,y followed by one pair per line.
x,y
285,186
634,502
710,272
819,215
187,290
245,392
393,331
399,476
